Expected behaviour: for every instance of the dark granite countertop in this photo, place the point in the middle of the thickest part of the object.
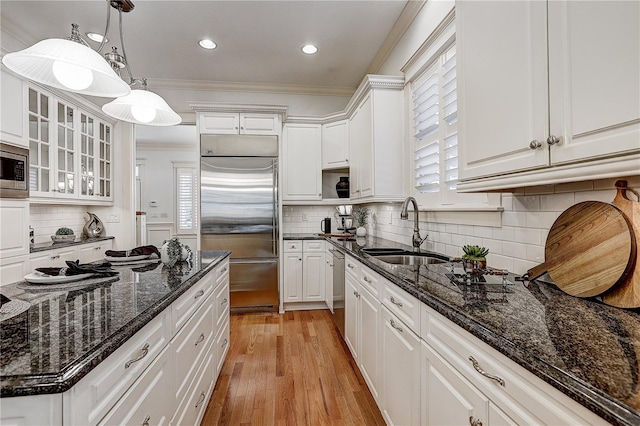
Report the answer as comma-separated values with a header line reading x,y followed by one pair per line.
x,y
587,350
50,245
70,328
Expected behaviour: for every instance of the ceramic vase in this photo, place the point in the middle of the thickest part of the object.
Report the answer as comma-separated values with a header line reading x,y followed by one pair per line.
x,y
164,255
342,187
94,226
361,231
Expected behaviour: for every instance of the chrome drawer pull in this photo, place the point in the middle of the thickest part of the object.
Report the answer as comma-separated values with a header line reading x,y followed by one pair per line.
x,y
200,339
97,248
393,324
223,270
350,266
201,400
394,302
224,302
144,352
366,279
145,422
57,256
199,294
475,422
484,373
224,343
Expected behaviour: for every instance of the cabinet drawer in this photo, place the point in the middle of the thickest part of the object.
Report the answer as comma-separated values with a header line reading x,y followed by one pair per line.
x,y
222,272
293,246
221,303
313,246
190,301
222,343
192,409
402,304
94,395
149,399
523,396
371,281
189,348
352,267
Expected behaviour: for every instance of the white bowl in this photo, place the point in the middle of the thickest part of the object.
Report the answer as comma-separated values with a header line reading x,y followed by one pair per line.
x,y
63,238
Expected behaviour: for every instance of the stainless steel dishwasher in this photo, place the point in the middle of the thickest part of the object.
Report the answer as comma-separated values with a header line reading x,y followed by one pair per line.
x,y
338,290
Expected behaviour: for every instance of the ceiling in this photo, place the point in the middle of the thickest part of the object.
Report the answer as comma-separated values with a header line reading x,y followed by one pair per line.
x,y
258,41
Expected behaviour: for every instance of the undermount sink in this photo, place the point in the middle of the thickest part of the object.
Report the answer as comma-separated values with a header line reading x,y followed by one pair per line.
x,y
397,256
410,259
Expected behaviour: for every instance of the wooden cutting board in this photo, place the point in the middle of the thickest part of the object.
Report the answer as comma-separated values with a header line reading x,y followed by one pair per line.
x,y
589,249
627,293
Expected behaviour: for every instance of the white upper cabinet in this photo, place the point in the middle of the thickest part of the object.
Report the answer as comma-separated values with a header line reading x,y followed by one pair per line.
x,y
233,123
335,145
12,110
301,164
70,151
376,140
543,85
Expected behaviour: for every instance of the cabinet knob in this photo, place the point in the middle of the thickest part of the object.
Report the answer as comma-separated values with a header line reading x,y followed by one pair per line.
x,y
320,194
535,144
145,422
346,160
552,140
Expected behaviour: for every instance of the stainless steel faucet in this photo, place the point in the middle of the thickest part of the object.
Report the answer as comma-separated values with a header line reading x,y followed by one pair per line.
x,y
404,215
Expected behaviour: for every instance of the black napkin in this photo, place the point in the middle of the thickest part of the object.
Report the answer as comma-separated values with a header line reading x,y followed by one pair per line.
x,y
102,269
138,251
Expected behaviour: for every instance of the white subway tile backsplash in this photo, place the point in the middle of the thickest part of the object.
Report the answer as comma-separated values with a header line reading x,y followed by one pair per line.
x,y
557,202
451,228
526,203
538,190
465,230
574,186
527,236
517,250
505,233
606,196
542,220
513,218
535,253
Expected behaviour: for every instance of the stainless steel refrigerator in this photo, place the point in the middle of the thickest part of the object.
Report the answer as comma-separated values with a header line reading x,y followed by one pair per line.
x,y
239,212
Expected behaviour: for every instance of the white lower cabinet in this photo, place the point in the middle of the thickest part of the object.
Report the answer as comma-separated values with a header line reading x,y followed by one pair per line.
x,y
53,258
304,271
351,288
149,400
400,379
94,251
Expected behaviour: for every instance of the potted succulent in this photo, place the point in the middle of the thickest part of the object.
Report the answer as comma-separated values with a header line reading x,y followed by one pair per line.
x,y
475,254
63,235
360,216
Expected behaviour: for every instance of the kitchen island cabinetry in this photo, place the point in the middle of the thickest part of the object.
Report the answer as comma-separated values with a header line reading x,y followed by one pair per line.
x,y
539,103
301,162
375,135
165,370
233,123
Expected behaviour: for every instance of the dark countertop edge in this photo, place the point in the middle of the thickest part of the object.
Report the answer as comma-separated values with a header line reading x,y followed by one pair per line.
x,y
586,395
50,246
63,381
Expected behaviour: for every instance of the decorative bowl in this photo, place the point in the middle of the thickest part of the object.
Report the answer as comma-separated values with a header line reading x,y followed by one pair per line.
x,y
63,238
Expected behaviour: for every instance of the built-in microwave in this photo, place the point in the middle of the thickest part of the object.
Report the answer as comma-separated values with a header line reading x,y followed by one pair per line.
x,y
14,171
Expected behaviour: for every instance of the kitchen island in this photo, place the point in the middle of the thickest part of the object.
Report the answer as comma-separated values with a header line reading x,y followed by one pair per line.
x,y
71,331
587,350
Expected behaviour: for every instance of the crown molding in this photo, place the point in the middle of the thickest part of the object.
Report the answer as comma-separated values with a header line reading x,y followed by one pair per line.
x,y
239,108
223,86
446,27
404,21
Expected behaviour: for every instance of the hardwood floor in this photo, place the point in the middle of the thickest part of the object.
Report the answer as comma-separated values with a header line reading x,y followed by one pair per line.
x,y
290,369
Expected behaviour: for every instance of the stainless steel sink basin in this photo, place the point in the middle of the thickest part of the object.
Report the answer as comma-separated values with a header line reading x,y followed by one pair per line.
x,y
410,259
381,251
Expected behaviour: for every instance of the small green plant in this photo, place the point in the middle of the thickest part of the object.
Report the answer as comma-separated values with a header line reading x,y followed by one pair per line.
x,y
361,215
475,253
64,231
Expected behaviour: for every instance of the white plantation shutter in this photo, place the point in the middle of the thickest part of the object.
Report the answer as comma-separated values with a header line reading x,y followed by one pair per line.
x,y
435,126
187,199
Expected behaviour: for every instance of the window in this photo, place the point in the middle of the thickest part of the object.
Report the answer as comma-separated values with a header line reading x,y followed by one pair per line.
x,y
435,118
187,199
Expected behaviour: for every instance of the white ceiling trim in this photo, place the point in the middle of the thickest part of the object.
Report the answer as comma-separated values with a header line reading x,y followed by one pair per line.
x,y
221,86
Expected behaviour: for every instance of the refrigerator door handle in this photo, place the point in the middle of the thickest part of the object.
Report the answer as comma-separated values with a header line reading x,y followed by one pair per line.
x,y
274,228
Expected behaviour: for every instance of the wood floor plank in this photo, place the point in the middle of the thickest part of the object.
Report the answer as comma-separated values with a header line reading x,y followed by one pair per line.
x,y
291,369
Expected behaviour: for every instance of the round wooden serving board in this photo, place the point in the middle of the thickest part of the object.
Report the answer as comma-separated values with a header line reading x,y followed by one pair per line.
x,y
590,247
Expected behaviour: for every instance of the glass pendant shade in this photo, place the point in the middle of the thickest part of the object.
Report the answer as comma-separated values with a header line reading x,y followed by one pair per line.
x,y
142,107
67,65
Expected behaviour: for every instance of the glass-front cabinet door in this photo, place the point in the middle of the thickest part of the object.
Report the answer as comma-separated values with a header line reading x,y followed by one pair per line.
x,y
66,169
105,136
40,164
87,156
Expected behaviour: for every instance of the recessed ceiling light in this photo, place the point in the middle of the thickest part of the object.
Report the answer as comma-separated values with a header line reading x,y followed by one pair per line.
x,y
309,49
97,37
207,44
